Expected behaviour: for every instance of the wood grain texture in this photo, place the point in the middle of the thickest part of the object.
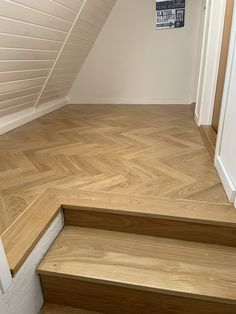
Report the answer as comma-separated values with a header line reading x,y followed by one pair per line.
x,y
157,216
59,309
22,236
209,136
151,206
180,268
131,150
152,225
116,300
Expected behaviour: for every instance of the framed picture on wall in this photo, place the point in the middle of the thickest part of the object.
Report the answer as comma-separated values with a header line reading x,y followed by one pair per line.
x,y
170,14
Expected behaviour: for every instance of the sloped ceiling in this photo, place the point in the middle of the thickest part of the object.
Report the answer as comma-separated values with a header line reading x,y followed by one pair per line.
x,y
43,45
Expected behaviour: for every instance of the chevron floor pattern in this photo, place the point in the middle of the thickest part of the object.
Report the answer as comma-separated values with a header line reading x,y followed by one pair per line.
x,y
148,150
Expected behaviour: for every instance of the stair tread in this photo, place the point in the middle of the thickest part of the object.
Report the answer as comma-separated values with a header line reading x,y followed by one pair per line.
x,y
174,267
60,309
167,208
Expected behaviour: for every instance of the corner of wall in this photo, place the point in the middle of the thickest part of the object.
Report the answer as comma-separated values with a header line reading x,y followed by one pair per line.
x,y
21,118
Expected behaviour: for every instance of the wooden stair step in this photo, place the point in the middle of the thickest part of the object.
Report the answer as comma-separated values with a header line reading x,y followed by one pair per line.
x,y
60,309
150,215
156,216
116,272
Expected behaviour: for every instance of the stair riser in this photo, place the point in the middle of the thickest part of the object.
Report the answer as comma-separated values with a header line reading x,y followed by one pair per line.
x,y
154,226
116,300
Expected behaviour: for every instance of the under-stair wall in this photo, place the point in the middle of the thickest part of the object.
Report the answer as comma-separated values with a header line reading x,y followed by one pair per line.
x,y
139,64
43,44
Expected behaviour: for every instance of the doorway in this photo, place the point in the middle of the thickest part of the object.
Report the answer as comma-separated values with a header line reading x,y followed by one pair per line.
x,y
213,70
223,64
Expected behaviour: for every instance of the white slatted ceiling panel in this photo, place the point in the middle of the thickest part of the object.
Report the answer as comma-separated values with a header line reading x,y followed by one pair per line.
x,y
32,33
82,37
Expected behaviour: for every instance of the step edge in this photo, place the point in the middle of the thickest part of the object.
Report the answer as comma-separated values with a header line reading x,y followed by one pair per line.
x,y
22,235
134,212
46,304
224,213
129,285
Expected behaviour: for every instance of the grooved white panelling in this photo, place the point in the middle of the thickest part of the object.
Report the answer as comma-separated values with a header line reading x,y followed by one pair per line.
x,y
43,44
19,118
31,36
82,37
13,10
72,4
51,8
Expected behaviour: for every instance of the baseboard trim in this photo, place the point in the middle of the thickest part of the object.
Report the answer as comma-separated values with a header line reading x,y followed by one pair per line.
x,y
41,111
130,101
228,185
5,274
25,294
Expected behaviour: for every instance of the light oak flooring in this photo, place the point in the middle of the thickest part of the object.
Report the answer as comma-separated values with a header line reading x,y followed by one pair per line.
x,y
149,263
145,150
59,309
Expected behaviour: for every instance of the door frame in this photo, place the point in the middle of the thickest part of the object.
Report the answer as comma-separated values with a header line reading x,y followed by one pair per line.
x,y
229,186
210,60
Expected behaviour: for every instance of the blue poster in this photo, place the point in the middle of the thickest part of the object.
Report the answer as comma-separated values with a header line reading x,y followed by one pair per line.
x,y
170,14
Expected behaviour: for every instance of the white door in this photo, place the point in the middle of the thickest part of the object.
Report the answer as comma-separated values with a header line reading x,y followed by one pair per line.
x,y
226,144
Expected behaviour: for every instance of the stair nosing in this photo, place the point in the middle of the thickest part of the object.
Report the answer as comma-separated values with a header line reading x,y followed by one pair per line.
x,y
139,287
130,212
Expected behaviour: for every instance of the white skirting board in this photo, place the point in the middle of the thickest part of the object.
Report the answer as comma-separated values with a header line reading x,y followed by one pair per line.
x,y
131,101
25,294
228,185
24,117
5,274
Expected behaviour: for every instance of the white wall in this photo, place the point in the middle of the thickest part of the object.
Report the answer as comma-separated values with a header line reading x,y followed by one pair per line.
x,y
226,142
38,44
5,274
83,34
25,295
131,62
228,146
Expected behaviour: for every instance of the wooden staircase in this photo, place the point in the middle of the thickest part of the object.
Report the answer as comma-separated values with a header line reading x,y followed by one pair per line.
x,y
60,309
132,255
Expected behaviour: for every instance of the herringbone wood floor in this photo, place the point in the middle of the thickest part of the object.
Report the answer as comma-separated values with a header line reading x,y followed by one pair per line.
x,y
149,150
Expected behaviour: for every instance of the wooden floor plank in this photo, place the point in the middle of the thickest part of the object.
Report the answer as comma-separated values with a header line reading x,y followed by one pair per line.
x,y
142,205
132,150
172,267
164,217
25,232
209,136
